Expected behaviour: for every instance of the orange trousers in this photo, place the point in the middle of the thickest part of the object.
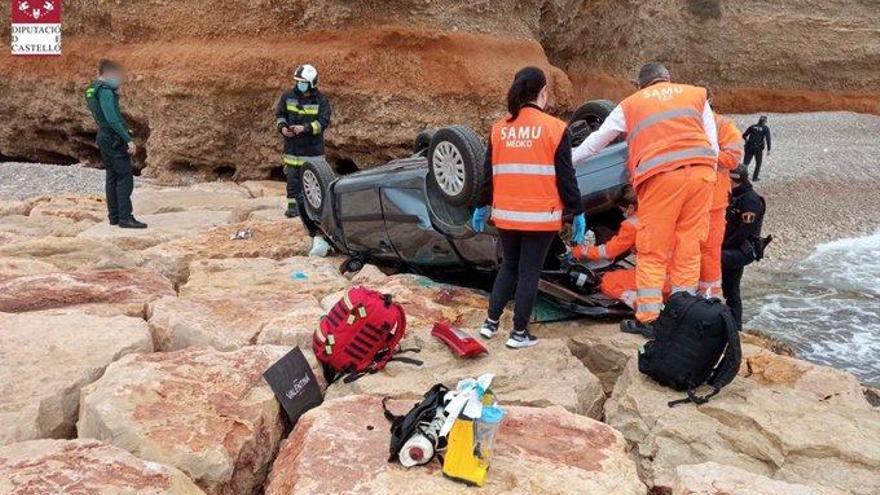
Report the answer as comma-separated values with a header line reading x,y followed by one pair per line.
x,y
621,285
710,260
674,221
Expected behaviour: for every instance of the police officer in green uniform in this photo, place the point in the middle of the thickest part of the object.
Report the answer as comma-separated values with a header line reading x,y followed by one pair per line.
x,y
302,116
114,142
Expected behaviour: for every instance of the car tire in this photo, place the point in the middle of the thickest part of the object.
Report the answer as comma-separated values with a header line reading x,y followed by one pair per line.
x,y
456,165
316,178
587,118
423,140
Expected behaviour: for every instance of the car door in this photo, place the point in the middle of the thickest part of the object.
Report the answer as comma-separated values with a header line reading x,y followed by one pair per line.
x,y
360,217
408,226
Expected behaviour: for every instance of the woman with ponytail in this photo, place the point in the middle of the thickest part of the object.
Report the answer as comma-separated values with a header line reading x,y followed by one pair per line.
x,y
533,187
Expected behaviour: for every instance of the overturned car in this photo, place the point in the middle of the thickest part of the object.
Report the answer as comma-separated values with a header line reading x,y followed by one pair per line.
x,y
415,212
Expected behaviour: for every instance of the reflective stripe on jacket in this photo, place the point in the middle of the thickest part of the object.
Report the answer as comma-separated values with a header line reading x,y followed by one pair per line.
x,y
665,130
623,241
525,195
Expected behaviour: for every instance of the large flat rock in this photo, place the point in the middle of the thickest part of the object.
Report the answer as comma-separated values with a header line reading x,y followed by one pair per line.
x,y
37,226
342,447
76,208
162,228
711,478
126,291
774,430
46,358
80,467
71,253
295,327
19,267
276,240
297,275
208,413
541,376
204,196
227,321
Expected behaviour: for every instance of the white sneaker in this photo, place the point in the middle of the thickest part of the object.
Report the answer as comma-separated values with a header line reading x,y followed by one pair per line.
x,y
521,339
320,247
490,328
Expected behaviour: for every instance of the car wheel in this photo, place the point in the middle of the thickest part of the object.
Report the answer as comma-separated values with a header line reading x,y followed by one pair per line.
x,y
587,118
316,178
456,165
423,140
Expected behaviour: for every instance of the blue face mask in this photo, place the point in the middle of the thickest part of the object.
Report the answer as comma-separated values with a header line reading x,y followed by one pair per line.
x,y
113,82
302,86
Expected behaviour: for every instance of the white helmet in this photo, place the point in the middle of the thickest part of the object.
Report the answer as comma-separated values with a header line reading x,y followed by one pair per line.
x,y
307,73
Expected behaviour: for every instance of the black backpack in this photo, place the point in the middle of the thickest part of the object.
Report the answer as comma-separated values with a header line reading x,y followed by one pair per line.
x,y
696,341
403,427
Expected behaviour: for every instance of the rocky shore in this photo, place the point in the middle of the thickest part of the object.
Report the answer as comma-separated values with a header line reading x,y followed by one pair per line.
x,y
132,363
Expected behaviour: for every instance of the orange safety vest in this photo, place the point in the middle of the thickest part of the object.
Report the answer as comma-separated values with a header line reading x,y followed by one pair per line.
x,y
524,191
730,144
664,125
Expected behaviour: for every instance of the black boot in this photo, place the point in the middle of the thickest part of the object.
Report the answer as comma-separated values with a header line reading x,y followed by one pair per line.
x,y
291,213
132,223
634,326
114,221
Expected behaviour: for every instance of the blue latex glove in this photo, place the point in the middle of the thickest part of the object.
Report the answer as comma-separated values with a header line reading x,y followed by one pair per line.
x,y
479,219
578,229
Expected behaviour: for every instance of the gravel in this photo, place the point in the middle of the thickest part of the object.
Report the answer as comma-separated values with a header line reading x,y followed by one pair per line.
x,y
821,182
27,180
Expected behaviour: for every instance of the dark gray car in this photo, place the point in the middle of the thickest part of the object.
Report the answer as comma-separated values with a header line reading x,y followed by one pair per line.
x,y
414,212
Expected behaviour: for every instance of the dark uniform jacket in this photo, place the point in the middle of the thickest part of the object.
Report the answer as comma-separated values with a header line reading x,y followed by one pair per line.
x,y
310,109
103,102
742,237
755,137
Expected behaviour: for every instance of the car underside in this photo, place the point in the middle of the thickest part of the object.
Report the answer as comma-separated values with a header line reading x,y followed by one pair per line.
x,y
413,213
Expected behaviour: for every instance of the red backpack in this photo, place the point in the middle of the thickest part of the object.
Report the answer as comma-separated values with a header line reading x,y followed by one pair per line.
x,y
360,334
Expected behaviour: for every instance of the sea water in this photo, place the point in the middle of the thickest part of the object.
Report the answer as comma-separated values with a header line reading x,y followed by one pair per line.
x,y
827,307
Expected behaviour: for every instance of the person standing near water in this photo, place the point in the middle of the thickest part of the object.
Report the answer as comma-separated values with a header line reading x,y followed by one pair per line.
x,y
114,142
742,238
533,183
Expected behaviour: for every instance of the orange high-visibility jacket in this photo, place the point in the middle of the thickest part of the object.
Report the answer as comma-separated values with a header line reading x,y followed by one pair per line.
x,y
730,144
624,240
524,191
664,124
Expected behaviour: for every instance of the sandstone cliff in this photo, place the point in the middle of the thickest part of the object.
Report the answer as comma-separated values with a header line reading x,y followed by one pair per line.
x,y
206,75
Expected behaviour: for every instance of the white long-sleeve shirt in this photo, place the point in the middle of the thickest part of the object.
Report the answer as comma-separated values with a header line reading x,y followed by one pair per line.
x,y
615,125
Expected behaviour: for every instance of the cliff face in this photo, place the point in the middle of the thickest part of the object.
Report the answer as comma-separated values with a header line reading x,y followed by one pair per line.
x,y
206,75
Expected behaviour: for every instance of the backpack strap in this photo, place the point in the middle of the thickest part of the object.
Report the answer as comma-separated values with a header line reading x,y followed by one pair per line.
x,y
725,371
728,367
394,343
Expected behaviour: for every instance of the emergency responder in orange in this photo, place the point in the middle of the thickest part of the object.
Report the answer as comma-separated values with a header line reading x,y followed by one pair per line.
x,y
617,284
533,184
730,153
673,148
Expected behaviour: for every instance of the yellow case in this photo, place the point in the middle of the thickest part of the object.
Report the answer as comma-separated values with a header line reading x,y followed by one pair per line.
x,y
460,463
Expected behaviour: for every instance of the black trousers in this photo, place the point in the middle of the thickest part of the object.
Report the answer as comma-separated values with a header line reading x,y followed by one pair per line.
x,y
759,157
523,255
730,285
295,196
118,179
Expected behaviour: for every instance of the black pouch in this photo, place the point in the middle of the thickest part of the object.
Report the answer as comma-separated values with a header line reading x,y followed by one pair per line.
x,y
294,384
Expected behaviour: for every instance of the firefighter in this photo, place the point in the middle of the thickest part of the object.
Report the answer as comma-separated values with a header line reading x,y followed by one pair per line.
x,y
673,147
302,116
730,152
533,184
742,238
756,137
114,142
